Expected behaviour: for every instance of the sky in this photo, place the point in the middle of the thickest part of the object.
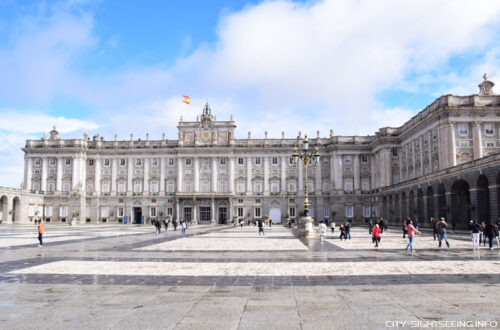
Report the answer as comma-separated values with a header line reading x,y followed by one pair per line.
x,y
354,66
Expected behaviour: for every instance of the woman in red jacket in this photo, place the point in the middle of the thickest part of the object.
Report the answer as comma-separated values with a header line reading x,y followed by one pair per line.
x,y
376,234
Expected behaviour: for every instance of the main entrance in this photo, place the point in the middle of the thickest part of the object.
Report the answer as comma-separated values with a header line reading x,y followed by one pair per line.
x,y
137,213
205,214
222,215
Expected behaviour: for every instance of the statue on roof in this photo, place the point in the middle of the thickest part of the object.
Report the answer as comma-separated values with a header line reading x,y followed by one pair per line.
x,y
486,86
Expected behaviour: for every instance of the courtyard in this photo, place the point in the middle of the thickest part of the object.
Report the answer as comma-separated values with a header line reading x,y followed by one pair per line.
x,y
224,277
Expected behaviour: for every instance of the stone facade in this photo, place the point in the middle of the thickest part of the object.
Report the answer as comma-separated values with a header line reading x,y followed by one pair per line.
x,y
207,174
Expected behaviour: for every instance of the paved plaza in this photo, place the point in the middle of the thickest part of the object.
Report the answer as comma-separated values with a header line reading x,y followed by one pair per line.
x,y
221,277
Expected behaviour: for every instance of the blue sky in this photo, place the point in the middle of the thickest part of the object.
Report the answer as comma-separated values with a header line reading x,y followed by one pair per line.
x,y
107,67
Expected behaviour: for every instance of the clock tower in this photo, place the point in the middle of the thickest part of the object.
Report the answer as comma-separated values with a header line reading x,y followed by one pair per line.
x,y
206,130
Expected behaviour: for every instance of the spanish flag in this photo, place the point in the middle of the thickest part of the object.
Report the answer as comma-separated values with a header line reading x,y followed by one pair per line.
x,y
186,99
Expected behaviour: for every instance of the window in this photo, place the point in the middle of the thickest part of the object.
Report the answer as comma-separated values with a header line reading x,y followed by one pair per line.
x,y
257,160
153,186
240,201
91,162
52,161
365,184
104,211
170,211
120,212
52,186
106,162
367,211
240,186
326,212
48,211
122,162
188,187
122,186
326,160
275,187
364,159
205,186
257,187
137,187
292,186
292,212
240,161
66,186
223,161
152,212
348,159
170,186
67,161
257,212
488,129
38,161
63,211
257,201
490,144
105,187
275,161
348,185
205,214
240,211
310,186
326,186
154,162
138,162
463,129
292,200
188,161
463,143
223,186
394,152
170,162
349,211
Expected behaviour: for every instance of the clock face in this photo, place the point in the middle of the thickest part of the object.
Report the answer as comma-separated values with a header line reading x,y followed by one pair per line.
x,y
205,135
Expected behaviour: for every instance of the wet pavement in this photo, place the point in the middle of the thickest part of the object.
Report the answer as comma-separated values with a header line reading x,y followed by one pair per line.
x,y
220,277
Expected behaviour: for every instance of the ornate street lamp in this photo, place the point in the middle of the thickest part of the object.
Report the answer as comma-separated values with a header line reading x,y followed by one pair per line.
x,y
74,194
305,222
286,194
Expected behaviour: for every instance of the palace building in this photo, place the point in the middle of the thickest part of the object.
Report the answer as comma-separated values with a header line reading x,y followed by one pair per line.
x,y
442,162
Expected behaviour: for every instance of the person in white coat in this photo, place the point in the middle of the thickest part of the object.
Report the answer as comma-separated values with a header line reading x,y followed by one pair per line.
x,y
321,230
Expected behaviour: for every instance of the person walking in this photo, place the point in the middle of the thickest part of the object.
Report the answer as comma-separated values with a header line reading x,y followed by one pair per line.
x,y
415,223
321,230
410,228
370,226
261,227
332,227
442,232
183,228
342,232
174,223
40,232
434,227
404,229
491,231
347,230
475,228
376,234
241,223
482,234
381,225
270,222
498,227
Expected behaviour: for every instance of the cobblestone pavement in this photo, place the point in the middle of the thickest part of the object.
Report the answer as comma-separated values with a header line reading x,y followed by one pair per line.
x,y
220,277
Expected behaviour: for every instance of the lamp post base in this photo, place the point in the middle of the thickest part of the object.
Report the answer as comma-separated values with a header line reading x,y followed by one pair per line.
x,y
305,227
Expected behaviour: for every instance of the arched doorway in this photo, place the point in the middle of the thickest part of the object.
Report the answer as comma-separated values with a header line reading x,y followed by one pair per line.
x,y
397,208
384,207
404,206
442,208
483,199
420,206
16,209
460,202
411,203
4,209
430,203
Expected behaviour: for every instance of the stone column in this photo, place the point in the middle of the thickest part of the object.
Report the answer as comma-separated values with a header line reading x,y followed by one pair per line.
x,y
429,143
421,143
283,173
317,181
400,156
231,175
29,173
130,174
43,186
179,174
83,177
453,146
372,172
388,163
407,161
339,183
59,174
249,175
478,141
177,210
266,175
356,174
196,175
114,166
97,176
213,209
300,188
195,207
214,174
145,189
162,176
414,174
